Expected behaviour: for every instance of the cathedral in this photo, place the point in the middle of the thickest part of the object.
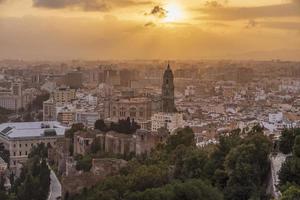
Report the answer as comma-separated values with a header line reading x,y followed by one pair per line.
x,y
168,104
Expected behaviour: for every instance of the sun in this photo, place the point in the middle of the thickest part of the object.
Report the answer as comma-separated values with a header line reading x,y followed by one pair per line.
x,y
174,13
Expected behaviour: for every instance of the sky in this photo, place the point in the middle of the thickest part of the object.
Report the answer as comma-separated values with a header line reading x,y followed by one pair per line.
x,y
149,29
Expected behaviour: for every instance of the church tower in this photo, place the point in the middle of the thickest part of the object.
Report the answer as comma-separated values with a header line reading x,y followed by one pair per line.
x,y
168,105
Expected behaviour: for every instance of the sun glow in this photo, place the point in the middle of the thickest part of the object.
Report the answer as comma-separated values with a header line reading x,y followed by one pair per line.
x,y
174,13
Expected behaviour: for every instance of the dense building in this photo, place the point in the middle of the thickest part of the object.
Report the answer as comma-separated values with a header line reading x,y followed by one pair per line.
x,y
168,99
20,137
64,95
170,121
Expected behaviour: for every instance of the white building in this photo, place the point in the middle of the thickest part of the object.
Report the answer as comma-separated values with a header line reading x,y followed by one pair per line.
x,y
87,118
20,137
11,99
276,117
171,121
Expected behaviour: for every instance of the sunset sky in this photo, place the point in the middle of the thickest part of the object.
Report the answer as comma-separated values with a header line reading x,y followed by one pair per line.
x,y
149,29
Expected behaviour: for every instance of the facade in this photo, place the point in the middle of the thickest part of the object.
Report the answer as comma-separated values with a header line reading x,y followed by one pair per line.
x,y
117,143
64,95
87,118
11,99
3,166
49,110
171,121
83,141
168,99
20,137
139,109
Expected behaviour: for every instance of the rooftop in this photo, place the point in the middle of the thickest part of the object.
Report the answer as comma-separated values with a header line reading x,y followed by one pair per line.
x,y
30,129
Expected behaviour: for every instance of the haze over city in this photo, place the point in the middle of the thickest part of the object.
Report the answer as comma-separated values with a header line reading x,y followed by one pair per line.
x,y
149,29
149,100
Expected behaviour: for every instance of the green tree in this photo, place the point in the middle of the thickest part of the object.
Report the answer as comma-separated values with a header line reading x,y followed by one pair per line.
x,y
287,139
247,166
84,163
290,170
189,190
292,193
184,137
100,125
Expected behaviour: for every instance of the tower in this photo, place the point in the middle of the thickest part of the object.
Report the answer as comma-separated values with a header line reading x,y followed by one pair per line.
x,y
168,105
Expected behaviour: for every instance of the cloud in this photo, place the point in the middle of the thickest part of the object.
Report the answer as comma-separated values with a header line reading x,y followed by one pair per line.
x,y
283,25
158,11
251,23
246,13
215,4
87,5
150,24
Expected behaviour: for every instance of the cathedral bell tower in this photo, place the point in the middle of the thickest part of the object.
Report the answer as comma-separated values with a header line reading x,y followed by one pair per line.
x,y
168,105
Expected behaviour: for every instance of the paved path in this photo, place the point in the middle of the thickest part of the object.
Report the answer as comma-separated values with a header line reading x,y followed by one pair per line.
x,y
55,187
276,163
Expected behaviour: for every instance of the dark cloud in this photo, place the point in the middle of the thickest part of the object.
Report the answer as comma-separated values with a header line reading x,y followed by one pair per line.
x,y
245,13
87,5
158,11
215,4
251,23
150,24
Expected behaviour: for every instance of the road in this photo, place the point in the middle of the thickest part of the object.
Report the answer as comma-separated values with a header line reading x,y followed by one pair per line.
x,y
55,187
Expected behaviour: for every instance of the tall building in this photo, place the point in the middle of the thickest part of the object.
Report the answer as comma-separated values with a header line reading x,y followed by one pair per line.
x,y
168,105
64,95
74,79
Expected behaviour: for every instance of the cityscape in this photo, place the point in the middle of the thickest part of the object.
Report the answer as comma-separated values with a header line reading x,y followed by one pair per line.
x,y
149,100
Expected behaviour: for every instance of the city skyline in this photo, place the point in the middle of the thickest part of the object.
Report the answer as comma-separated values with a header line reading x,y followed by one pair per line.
x,y
161,29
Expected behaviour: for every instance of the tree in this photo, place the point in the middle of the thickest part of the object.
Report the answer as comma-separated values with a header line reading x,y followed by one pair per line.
x,y
84,163
189,190
287,139
100,125
292,193
190,163
184,137
290,170
247,166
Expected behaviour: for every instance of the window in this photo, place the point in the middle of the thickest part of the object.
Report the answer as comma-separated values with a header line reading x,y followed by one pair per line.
x,y
114,113
132,112
14,153
14,145
14,162
122,112
26,153
141,112
26,145
20,145
20,153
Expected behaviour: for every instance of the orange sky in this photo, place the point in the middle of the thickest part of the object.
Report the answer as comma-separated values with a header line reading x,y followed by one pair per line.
x,y
149,29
